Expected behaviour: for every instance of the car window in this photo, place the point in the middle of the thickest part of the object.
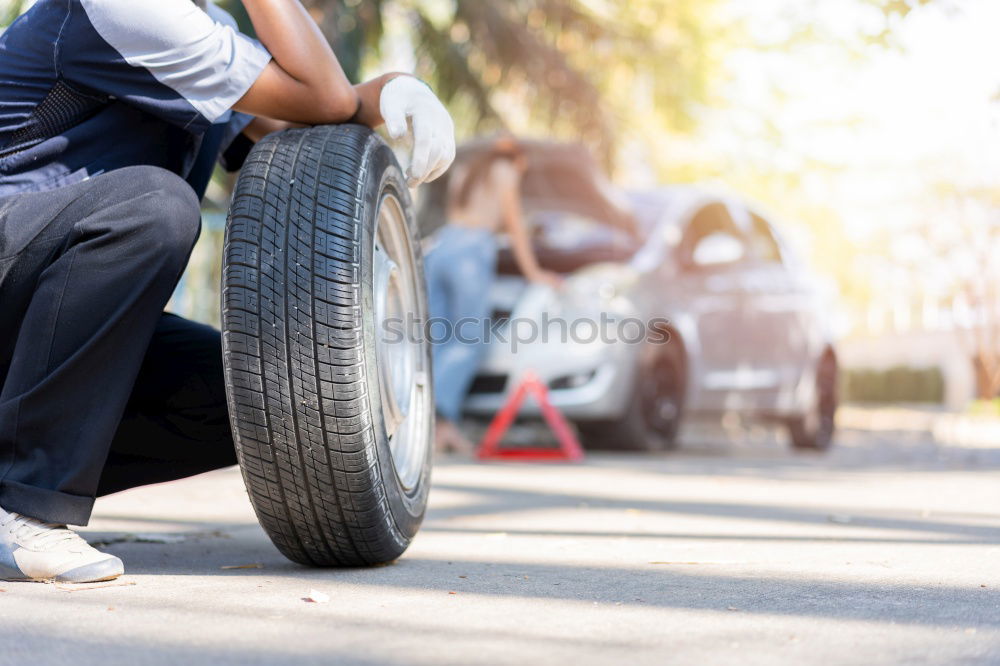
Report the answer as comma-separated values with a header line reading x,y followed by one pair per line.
x,y
712,239
765,247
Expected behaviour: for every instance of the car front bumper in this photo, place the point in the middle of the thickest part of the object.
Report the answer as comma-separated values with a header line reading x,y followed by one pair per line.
x,y
586,381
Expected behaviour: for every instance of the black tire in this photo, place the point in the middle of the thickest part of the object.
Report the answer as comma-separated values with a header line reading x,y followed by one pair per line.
x,y
814,430
299,341
653,416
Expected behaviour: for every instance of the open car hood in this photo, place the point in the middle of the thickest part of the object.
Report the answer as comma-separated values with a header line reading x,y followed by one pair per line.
x,y
560,176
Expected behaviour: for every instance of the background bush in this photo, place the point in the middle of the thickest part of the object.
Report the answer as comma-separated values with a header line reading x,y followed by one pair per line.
x,y
896,384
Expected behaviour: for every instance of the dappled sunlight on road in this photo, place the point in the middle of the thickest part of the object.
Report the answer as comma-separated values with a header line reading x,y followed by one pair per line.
x,y
743,544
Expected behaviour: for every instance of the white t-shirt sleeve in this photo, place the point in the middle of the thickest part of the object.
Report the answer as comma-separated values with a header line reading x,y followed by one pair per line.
x,y
203,59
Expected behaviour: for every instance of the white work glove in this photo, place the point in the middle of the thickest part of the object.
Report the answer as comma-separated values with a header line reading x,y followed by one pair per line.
x,y
408,105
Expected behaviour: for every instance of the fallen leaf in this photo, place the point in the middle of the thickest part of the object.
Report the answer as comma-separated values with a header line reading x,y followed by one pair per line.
x,y
317,597
160,538
450,592
255,565
459,577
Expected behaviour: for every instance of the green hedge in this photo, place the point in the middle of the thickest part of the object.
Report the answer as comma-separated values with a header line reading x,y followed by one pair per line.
x,y
896,384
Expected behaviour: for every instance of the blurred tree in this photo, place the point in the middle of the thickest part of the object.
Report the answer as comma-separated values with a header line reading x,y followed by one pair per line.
x,y
572,67
577,68
752,140
948,262
351,26
972,263
10,10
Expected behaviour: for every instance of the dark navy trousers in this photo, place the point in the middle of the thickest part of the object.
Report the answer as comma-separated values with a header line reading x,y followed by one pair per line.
x,y
99,389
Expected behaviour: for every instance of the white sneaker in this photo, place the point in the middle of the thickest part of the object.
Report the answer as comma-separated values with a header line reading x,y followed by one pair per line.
x,y
33,550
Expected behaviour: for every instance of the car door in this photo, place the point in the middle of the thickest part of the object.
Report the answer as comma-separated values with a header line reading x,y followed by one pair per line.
x,y
776,318
712,256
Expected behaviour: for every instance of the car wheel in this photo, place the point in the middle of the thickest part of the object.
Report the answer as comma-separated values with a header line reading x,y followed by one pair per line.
x,y
814,430
331,415
653,414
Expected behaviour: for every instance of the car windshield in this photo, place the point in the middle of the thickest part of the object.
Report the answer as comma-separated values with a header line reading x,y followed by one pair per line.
x,y
647,208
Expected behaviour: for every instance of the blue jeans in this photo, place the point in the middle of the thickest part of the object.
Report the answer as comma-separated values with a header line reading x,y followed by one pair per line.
x,y
460,269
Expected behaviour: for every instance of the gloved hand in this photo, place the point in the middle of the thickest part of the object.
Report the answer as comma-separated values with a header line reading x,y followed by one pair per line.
x,y
406,98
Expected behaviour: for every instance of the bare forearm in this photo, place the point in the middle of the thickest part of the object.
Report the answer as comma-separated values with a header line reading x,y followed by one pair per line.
x,y
513,219
368,94
304,83
301,51
527,262
524,254
260,127
367,114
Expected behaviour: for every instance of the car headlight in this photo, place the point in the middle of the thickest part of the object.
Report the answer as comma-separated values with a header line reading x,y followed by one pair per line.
x,y
605,288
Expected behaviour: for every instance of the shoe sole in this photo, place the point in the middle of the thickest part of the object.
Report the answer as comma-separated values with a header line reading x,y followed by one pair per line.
x,y
97,572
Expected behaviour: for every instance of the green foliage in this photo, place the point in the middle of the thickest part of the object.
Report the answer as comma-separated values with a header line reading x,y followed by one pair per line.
x,y
576,69
352,27
10,10
896,384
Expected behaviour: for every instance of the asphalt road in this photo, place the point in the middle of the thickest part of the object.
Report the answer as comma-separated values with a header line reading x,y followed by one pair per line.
x,y
728,552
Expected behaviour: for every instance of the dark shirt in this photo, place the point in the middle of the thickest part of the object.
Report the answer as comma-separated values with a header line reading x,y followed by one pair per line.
x,y
88,86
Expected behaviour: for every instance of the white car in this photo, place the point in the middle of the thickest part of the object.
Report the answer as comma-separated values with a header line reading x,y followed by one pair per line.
x,y
698,309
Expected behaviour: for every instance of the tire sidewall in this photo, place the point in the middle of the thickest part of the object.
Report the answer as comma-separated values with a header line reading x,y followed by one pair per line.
x,y
384,176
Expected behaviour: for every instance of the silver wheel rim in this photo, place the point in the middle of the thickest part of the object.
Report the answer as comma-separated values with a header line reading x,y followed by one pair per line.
x,y
400,354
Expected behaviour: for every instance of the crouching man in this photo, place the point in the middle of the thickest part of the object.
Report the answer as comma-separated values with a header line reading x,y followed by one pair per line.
x,y
112,114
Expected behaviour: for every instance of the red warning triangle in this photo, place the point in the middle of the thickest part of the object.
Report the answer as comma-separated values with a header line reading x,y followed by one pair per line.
x,y
569,448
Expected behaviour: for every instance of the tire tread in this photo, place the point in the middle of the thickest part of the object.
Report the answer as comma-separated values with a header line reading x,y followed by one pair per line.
x,y
292,335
